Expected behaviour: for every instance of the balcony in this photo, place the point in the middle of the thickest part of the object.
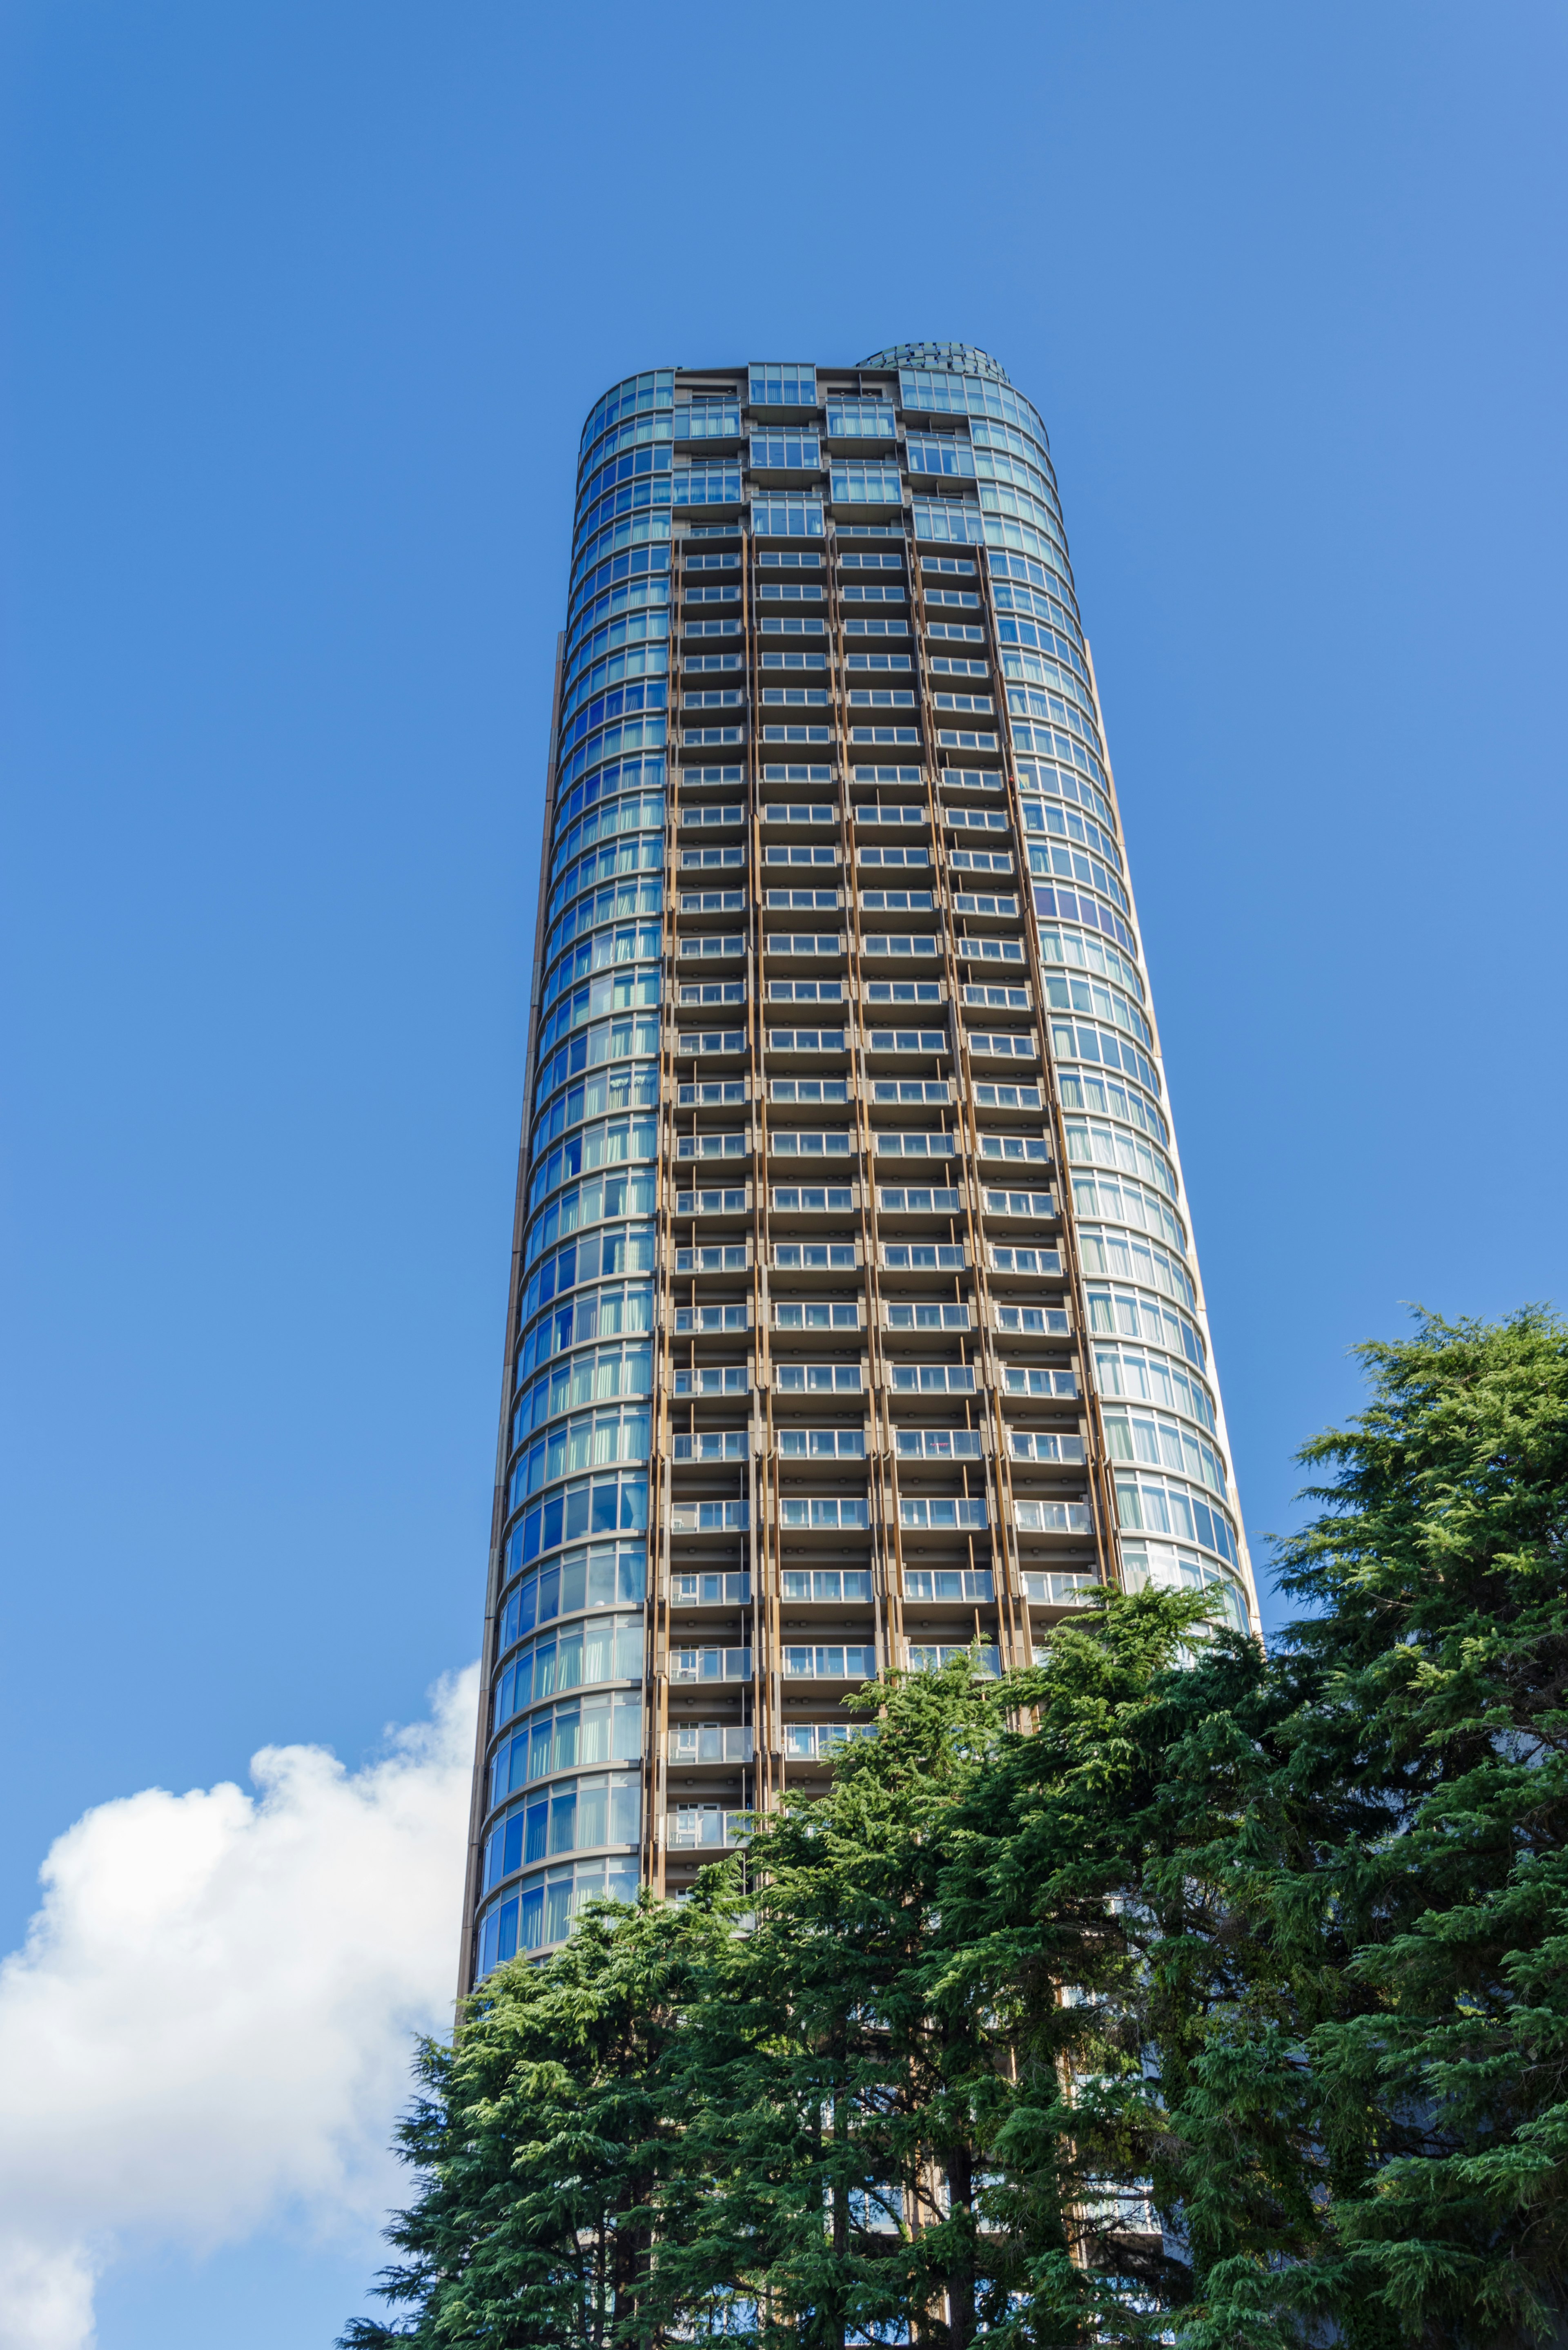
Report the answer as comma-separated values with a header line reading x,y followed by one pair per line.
x,y
717,1590
826,1513
1052,1517
1031,1321
704,1321
817,1741
691,1827
934,1515
1059,1590
711,1742
690,1666
827,1586
1040,1444
949,1585
931,1656
811,1313
855,1661
938,1443
713,1444
708,1517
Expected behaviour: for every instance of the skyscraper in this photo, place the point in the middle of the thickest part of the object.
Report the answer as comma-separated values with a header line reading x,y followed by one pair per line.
x,y
854,1313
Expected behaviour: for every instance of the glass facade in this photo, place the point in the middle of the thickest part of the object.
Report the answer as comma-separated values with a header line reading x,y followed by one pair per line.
x,y
855,1319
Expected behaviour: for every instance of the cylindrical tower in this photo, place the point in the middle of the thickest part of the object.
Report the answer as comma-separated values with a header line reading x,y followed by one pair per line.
x,y
854,1314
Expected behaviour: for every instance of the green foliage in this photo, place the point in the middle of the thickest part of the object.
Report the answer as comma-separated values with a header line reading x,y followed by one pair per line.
x,y
1274,1949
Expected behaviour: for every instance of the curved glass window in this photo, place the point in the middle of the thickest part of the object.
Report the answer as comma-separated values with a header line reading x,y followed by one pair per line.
x,y
634,395
1086,951
603,1200
541,1912
1082,1090
1092,1143
591,1314
1154,1378
610,580
1107,1003
1134,1313
633,1087
630,433
600,555
592,1375
616,904
629,1250
648,623
635,856
593,1649
573,1815
635,813
1163,1444
591,1440
625,486
615,991
582,1731
612,722
1090,872
1125,1258
986,434
619,461
590,1048
598,1505
1081,1040
604,593
610,1145
615,669
1160,1563
1156,1505
597,1577
1122,1201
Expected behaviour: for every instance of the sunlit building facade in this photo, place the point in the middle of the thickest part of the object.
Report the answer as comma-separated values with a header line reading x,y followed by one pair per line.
x,y
855,1318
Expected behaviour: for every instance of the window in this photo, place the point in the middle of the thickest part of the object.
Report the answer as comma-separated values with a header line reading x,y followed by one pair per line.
x,y
782,383
778,513
863,485
938,453
864,419
779,452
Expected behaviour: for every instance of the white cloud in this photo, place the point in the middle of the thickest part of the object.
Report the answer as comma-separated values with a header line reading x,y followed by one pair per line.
x,y
211,2022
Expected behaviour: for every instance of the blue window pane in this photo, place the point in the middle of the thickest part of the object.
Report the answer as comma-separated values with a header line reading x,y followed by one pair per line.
x,y
533,1916
538,1827
506,1946
512,1854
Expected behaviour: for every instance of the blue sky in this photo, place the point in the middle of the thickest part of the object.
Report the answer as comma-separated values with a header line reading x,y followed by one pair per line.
x,y
304,307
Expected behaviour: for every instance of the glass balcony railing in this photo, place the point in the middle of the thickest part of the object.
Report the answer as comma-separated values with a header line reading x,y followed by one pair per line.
x,y
711,1742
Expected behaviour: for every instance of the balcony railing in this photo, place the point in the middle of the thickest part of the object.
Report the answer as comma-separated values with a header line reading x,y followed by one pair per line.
x,y
709,1590
705,1826
708,1517
829,1510
1051,1517
852,1662
690,1665
816,1740
1060,1590
711,1742
937,1514
829,1583
931,1656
